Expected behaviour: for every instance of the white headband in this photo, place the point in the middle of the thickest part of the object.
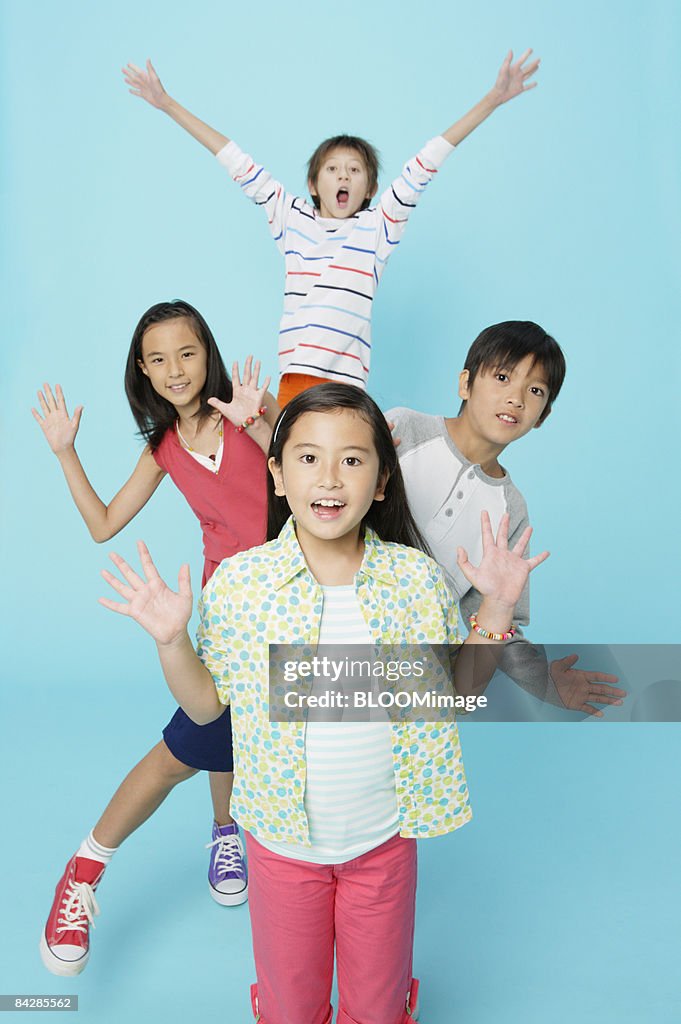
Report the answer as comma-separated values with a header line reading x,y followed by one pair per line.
x,y
276,429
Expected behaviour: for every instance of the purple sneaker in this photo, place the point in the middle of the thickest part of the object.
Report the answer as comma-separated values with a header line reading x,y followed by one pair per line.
x,y
227,877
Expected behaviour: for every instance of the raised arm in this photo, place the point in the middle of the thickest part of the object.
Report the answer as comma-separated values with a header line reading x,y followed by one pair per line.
x,y
147,85
103,521
255,182
512,80
400,198
165,614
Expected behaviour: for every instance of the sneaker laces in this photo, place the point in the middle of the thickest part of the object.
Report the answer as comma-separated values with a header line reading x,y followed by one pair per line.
x,y
229,855
79,908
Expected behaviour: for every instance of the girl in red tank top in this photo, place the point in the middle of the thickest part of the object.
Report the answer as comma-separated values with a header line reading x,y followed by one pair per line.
x,y
210,434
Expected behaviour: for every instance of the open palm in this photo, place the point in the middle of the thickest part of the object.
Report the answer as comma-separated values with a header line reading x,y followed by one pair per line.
x,y
145,84
59,428
580,689
148,600
247,394
513,78
502,573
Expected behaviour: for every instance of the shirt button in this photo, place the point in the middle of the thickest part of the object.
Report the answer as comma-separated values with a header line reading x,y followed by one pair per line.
x,y
459,495
471,474
449,512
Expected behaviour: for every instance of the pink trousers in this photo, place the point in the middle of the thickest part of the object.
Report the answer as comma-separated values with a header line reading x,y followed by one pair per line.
x,y
299,909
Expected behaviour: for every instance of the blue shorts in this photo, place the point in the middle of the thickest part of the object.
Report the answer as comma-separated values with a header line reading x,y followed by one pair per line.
x,y
206,747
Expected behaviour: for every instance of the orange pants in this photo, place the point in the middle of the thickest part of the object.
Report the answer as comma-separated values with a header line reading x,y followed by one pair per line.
x,y
291,384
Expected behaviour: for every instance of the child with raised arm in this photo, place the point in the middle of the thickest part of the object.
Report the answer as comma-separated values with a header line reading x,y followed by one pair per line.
x,y
336,247
512,375
332,854
210,435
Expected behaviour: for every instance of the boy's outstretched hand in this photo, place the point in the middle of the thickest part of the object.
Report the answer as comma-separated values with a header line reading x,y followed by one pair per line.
x,y
148,600
502,573
146,84
513,78
577,687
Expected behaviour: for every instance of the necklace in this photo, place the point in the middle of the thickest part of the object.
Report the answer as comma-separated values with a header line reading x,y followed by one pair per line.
x,y
189,448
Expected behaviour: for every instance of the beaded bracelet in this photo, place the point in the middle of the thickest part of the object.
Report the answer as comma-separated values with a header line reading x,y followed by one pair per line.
x,y
489,635
250,420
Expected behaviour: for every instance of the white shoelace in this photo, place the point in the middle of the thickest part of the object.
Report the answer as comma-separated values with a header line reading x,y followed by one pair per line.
x,y
230,853
79,908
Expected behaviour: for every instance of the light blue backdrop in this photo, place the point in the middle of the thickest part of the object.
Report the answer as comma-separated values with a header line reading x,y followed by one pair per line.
x,y
557,903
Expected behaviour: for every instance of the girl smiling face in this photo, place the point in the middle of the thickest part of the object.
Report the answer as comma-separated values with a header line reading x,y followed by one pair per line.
x,y
329,474
175,361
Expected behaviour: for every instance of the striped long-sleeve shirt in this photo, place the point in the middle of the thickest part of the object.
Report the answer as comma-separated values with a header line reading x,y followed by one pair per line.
x,y
333,266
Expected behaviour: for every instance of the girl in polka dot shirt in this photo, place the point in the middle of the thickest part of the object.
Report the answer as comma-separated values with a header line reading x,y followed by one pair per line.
x,y
344,559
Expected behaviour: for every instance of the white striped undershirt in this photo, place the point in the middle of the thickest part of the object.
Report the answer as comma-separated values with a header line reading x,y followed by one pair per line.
x,y
350,797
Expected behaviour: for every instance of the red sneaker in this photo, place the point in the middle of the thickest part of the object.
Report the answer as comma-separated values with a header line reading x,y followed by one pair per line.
x,y
65,942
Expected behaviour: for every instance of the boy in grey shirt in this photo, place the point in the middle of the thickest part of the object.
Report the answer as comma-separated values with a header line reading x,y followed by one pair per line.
x,y
512,375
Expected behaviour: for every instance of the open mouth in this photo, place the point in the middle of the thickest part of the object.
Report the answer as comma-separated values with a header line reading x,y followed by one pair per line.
x,y
327,508
507,418
342,198
178,388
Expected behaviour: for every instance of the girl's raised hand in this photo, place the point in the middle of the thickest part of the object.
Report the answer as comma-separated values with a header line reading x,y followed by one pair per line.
x,y
158,609
247,394
59,428
503,571
145,84
512,78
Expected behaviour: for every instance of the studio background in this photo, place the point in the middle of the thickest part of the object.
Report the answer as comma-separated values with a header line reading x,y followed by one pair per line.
x,y
557,902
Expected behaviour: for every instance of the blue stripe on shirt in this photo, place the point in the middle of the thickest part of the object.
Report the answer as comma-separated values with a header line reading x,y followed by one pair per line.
x,y
245,184
294,252
412,187
295,231
386,236
338,309
356,249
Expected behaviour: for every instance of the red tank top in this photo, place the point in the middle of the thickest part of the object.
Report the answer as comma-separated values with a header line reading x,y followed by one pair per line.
x,y
231,505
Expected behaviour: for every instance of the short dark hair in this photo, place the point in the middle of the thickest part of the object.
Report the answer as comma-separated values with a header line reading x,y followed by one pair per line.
x,y
391,518
367,152
154,414
507,344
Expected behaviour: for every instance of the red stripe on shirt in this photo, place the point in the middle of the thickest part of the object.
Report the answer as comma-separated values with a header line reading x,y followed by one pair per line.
x,y
336,351
335,266
428,170
400,220
245,173
323,348
304,273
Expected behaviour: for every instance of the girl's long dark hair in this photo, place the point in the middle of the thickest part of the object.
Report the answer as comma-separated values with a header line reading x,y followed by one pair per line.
x,y
154,414
391,518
